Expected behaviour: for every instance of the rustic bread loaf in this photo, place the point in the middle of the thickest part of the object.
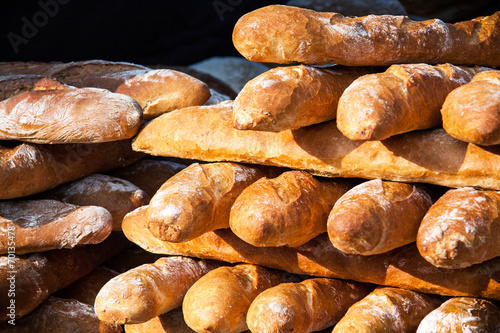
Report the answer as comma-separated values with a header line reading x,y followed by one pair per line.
x,y
461,228
290,209
206,133
388,310
198,199
42,225
302,307
269,34
377,216
471,112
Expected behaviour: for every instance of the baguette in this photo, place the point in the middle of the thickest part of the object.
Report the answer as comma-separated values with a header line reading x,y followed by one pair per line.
x,y
62,116
387,310
41,274
290,209
170,322
404,98
403,267
463,314
27,168
149,290
117,195
461,228
471,112
41,225
198,199
219,301
377,216
60,315
269,34
148,174
292,97
302,307
206,133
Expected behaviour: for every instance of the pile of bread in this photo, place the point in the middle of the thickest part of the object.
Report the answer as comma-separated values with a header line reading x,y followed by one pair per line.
x,y
356,197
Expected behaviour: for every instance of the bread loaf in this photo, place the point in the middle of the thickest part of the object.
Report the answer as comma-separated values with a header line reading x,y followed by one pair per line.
x,y
149,290
403,267
117,195
303,307
42,225
62,116
461,229
290,209
60,315
377,216
27,168
388,310
463,314
198,199
292,97
206,133
148,174
219,301
38,275
170,322
269,34
471,112
404,98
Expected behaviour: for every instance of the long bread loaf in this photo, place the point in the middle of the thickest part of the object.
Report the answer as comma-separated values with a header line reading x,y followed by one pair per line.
x,y
403,267
461,228
471,112
290,209
404,98
269,34
206,133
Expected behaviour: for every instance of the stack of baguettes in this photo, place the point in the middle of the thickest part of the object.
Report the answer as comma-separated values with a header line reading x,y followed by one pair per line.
x,y
360,197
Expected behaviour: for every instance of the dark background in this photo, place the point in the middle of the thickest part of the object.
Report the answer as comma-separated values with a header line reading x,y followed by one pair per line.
x,y
169,32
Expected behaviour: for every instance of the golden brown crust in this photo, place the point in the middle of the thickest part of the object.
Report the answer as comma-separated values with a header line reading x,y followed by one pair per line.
x,y
42,225
290,209
198,199
292,97
377,216
206,133
461,228
307,306
388,310
402,267
471,112
269,34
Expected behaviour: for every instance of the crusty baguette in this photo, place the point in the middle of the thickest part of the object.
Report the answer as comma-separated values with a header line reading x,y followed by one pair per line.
x,y
169,322
269,34
403,267
149,290
27,168
219,301
404,98
117,195
39,275
471,112
59,315
42,225
377,216
290,209
292,97
62,116
198,199
461,228
387,310
206,133
462,314
302,307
